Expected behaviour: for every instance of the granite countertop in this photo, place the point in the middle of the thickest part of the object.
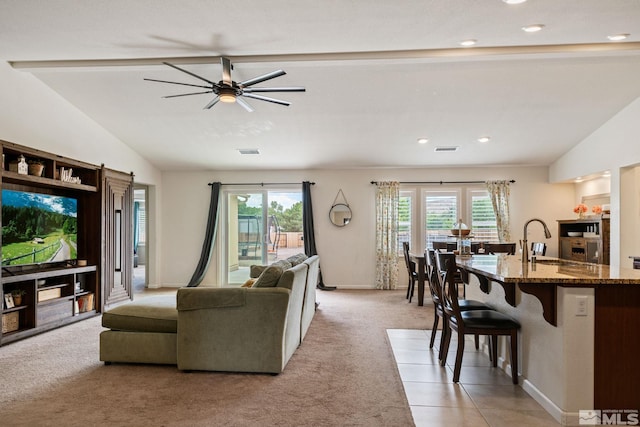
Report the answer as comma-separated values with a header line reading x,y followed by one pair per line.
x,y
509,269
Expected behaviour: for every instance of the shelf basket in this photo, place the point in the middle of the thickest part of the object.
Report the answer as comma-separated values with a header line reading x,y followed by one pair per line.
x,y
10,322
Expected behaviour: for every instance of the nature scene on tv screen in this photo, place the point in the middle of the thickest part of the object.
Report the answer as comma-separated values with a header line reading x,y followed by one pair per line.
x,y
38,228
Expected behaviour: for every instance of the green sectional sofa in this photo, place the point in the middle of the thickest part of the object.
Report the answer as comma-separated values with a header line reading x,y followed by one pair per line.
x,y
254,329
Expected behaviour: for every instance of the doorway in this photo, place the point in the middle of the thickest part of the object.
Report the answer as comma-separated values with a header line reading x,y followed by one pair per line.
x,y
262,226
140,234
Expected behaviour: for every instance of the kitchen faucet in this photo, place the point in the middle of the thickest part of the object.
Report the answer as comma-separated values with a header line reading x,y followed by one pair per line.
x,y
523,242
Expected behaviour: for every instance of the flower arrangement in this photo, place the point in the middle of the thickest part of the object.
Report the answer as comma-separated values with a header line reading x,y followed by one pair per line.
x,y
580,209
597,209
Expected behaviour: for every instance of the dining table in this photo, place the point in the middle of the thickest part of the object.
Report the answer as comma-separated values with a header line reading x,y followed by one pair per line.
x,y
421,264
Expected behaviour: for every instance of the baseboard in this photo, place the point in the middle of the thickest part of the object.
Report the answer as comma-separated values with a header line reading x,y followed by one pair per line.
x,y
564,418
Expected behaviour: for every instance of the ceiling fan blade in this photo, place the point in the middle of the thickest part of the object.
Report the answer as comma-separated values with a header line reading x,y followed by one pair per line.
x,y
190,73
213,102
274,89
187,94
271,75
175,83
226,71
264,98
244,104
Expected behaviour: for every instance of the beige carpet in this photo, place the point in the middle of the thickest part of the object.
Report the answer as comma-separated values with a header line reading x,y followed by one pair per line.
x,y
343,374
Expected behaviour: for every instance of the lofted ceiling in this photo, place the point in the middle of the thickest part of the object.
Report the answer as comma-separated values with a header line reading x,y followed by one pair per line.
x,y
378,75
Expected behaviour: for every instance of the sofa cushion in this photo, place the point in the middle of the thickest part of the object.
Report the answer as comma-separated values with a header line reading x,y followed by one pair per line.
x,y
269,277
152,314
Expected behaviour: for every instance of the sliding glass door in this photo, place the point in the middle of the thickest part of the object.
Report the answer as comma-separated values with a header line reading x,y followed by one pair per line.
x,y
262,226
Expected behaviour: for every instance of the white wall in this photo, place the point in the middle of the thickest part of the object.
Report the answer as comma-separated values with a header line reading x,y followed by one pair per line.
x,y
613,147
33,115
347,253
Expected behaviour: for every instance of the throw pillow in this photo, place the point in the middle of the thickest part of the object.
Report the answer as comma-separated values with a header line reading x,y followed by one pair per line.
x,y
256,270
284,264
293,259
297,259
248,283
269,277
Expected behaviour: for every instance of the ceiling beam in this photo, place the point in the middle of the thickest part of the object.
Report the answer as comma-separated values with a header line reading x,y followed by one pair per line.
x,y
452,54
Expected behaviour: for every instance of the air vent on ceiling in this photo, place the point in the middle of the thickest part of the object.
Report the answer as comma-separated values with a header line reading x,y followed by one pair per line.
x,y
446,149
248,151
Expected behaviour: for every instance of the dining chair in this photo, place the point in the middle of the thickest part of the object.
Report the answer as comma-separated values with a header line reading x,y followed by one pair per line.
x,y
434,279
444,246
473,322
538,248
411,270
500,248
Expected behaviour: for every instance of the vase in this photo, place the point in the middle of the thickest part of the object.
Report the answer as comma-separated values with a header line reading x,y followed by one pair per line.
x,y
36,169
580,215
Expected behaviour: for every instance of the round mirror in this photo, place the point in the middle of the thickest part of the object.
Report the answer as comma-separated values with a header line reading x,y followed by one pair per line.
x,y
340,214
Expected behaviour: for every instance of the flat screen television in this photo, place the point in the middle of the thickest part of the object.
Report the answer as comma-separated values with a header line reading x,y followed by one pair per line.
x,y
38,228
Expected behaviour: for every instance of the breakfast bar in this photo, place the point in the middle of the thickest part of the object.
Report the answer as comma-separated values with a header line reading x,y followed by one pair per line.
x,y
579,341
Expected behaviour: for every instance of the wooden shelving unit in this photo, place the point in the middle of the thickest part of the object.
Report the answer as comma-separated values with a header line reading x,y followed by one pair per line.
x,y
591,244
55,294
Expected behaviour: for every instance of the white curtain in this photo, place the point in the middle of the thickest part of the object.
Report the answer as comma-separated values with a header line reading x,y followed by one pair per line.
x,y
499,194
387,198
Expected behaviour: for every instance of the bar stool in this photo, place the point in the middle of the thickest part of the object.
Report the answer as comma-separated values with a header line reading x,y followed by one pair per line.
x,y
433,279
474,322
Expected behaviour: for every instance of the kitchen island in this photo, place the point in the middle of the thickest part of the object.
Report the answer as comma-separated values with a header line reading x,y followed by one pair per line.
x,y
579,341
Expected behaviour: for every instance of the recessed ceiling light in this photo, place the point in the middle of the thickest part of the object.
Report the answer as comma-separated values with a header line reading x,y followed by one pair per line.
x,y
484,139
467,43
533,28
606,173
514,1
422,140
617,37
579,179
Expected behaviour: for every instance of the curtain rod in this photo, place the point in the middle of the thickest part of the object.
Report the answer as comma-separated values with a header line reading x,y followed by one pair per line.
x,y
262,183
443,182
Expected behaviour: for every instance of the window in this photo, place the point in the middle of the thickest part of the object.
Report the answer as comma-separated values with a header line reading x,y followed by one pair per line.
x,y
431,216
440,213
405,218
483,219
261,226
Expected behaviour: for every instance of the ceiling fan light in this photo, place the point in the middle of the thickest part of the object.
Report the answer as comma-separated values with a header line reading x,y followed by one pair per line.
x,y
229,98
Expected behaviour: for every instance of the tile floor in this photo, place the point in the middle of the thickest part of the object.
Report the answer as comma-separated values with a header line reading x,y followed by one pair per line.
x,y
484,396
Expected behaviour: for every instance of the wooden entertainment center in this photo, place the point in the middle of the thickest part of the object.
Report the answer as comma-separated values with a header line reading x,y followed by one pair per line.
x,y
43,295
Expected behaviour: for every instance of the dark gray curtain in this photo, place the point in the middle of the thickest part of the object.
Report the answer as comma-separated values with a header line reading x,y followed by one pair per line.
x,y
308,231
209,237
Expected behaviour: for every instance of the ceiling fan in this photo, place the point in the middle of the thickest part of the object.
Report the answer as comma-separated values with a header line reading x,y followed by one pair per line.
x,y
229,91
